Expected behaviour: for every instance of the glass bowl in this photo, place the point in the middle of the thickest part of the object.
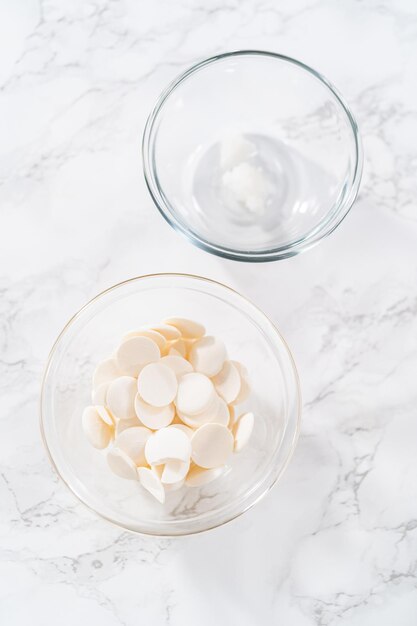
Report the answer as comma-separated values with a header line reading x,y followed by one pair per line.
x,y
252,155
250,337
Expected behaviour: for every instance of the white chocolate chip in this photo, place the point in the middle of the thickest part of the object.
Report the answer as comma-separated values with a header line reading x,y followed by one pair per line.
x,y
195,393
121,397
207,355
212,445
98,433
154,417
166,444
198,476
157,384
133,354
242,430
105,372
227,382
188,328
152,483
121,464
132,442
177,364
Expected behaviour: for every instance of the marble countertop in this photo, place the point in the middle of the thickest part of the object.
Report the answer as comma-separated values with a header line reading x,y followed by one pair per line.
x,y
335,542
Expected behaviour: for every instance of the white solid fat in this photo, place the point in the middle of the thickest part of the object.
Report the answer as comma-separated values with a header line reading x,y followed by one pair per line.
x,y
234,150
247,187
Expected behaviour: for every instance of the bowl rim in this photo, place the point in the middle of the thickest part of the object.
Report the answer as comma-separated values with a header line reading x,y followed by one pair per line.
x,y
74,491
325,227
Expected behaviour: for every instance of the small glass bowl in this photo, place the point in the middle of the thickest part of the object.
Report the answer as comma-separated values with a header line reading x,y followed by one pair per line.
x,y
92,334
252,155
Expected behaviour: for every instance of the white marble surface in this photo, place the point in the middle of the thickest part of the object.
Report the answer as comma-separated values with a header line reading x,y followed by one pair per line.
x,y
336,541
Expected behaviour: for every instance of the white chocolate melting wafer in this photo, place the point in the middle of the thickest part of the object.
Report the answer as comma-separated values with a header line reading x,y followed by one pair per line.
x,y
99,394
168,487
132,442
244,383
185,429
174,471
222,415
105,415
105,372
152,483
177,364
154,417
121,397
195,393
217,412
205,417
174,486
166,444
188,328
212,445
242,430
198,476
133,354
232,415
98,433
150,333
168,331
207,355
173,352
157,384
121,464
178,348
122,425
227,382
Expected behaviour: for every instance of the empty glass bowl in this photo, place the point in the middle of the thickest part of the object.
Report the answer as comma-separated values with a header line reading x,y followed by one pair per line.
x,y
252,155
92,335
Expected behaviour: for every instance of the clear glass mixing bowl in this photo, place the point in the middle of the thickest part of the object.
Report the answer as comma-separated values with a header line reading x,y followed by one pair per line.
x,y
250,337
301,156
